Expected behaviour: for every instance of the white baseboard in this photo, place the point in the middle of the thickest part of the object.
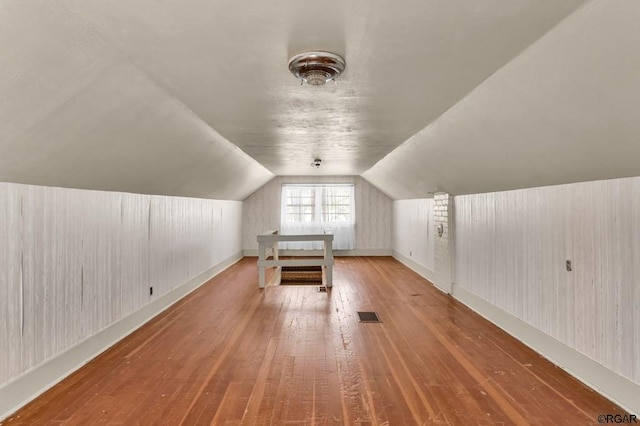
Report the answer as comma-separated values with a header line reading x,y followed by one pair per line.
x,y
355,252
416,267
611,385
33,383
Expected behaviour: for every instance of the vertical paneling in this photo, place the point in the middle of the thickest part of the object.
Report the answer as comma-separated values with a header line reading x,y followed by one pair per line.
x,y
134,251
99,255
10,282
261,211
52,247
374,212
229,227
75,261
413,230
632,293
511,249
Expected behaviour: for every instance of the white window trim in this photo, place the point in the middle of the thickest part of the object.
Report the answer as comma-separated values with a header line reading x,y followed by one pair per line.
x,y
344,232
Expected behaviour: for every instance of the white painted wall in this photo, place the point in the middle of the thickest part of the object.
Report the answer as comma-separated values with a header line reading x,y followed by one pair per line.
x,y
374,210
73,262
413,231
511,249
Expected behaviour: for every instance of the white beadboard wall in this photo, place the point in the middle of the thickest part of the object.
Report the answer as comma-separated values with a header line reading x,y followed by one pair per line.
x,y
74,261
511,249
413,233
261,211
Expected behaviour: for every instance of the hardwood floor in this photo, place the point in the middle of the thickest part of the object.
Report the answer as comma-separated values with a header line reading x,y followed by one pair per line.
x,y
231,354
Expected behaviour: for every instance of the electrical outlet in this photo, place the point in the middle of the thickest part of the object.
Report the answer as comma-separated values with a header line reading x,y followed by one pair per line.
x,y
569,266
150,291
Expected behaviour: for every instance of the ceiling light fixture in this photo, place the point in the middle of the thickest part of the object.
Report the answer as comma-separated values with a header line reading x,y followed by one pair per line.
x,y
316,68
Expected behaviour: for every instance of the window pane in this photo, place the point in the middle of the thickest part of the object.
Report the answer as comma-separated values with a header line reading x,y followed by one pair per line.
x,y
336,204
299,204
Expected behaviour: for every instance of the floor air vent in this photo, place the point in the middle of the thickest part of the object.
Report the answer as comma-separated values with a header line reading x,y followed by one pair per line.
x,y
368,317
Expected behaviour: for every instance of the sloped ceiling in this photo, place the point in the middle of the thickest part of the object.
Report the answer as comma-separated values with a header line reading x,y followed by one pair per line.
x,y
565,110
194,98
77,112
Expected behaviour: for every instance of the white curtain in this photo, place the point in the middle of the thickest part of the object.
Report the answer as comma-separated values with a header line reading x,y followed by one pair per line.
x,y
318,209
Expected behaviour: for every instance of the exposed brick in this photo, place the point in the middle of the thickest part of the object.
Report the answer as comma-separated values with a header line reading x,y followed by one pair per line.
x,y
442,247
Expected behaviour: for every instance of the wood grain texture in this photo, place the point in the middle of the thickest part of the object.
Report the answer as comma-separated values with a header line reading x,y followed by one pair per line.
x,y
230,354
72,262
511,249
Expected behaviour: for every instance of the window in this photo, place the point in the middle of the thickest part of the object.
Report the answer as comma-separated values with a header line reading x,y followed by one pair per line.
x,y
300,204
336,204
314,209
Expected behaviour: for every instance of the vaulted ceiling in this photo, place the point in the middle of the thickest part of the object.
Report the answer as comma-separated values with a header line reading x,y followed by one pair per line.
x,y
194,98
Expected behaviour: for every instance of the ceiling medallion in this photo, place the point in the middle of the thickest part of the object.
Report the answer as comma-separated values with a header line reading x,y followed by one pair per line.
x,y
316,68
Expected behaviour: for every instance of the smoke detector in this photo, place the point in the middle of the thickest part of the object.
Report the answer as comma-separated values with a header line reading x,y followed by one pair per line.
x,y
316,68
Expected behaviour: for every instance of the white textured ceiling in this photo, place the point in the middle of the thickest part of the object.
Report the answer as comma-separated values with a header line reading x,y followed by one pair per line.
x,y
194,98
565,110
77,112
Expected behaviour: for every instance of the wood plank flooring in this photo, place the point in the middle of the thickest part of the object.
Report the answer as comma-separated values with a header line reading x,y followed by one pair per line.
x,y
232,354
